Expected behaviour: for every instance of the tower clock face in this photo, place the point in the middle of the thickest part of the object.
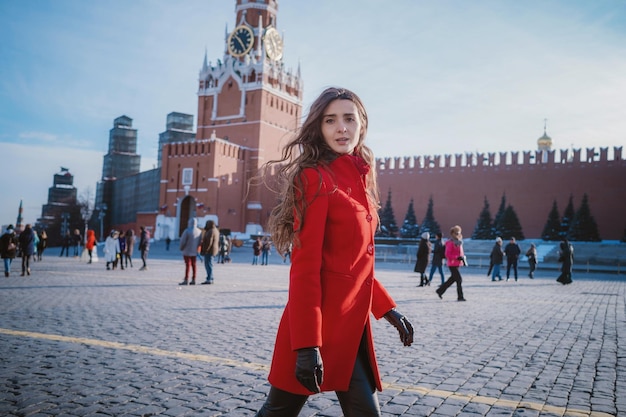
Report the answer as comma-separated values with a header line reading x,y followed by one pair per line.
x,y
240,41
273,44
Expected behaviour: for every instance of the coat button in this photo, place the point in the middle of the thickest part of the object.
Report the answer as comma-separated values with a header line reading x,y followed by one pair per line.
x,y
370,249
368,217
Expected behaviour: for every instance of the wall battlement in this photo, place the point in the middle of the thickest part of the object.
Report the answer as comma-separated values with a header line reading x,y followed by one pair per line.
x,y
531,181
503,159
202,147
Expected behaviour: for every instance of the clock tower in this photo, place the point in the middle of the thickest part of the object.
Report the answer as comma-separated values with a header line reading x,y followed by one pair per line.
x,y
249,106
249,97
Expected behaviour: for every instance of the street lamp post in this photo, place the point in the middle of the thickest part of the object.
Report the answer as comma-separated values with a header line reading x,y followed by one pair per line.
x,y
101,213
86,212
65,224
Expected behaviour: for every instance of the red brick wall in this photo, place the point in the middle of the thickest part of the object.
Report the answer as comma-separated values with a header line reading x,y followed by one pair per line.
x,y
458,192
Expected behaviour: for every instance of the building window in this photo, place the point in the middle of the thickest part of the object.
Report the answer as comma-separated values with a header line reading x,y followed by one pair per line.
x,y
187,176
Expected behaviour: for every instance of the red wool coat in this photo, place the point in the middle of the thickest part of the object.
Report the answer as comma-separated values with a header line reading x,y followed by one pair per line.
x,y
332,288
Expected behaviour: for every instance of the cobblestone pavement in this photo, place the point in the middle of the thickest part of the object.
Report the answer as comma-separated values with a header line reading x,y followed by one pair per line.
x,y
77,340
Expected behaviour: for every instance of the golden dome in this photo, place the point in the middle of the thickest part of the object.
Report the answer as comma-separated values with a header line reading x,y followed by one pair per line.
x,y
544,143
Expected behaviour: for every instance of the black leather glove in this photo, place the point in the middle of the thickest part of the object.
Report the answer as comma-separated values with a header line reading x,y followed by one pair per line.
x,y
310,369
402,324
460,258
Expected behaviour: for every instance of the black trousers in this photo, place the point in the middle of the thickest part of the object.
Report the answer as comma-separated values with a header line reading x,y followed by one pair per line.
x,y
25,263
360,400
455,276
511,264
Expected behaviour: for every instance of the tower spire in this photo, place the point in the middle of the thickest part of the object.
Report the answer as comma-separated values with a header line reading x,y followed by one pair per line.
x,y
18,223
205,65
226,39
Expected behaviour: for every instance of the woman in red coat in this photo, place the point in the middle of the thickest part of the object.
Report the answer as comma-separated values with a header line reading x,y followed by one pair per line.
x,y
90,244
329,212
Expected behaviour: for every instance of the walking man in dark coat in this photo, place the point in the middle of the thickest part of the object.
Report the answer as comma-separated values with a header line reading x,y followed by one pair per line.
x,y
512,252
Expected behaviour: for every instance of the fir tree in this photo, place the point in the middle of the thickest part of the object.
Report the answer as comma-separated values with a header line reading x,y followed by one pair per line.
x,y
584,227
568,216
410,228
484,229
497,221
552,229
511,226
429,224
388,226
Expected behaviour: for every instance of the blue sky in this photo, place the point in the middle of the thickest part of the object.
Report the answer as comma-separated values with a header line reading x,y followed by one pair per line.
x,y
437,77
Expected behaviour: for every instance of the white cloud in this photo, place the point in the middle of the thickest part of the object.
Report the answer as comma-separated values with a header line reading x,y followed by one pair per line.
x,y
38,136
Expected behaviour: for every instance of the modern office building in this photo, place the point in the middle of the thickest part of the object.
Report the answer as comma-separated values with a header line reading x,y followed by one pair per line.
x,y
120,161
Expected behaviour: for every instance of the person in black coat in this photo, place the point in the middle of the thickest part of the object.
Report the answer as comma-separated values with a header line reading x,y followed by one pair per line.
x,y
144,246
8,248
495,258
27,248
512,252
42,244
531,254
423,253
566,256
66,243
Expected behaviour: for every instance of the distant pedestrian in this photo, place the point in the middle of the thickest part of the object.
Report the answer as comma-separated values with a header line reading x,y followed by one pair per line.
x,y
144,246
43,244
265,250
36,245
66,242
455,258
209,248
287,254
222,249
122,254
130,245
189,243
77,241
566,257
531,254
256,250
423,255
167,243
8,249
111,249
225,246
496,258
439,254
512,252
90,244
27,247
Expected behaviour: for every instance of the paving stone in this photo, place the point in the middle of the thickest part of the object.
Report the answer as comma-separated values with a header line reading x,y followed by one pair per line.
x,y
110,343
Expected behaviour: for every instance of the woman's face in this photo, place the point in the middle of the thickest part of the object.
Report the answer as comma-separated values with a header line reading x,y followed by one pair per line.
x,y
341,126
